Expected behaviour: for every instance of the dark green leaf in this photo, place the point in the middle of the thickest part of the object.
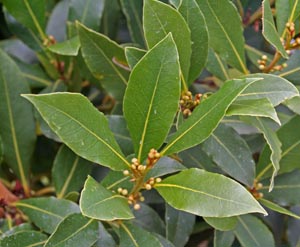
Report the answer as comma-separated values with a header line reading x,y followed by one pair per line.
x,y
46,213
81,127
99,203
292,71
179,226
191,12
222,224
217,66
293,104
165,242
20,228
230,151
133,12
205,117
17,128
113,180
105,240
159,20
225,31
156,78
24,239
133,55
131,235
66,48
252,232
269,30
223,239
74,230
207,194
105,59
69,172
282,14
87,12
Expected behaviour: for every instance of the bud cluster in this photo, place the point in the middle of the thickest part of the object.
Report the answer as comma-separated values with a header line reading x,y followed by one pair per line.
x,y
49,41
255,190
188,103
151,182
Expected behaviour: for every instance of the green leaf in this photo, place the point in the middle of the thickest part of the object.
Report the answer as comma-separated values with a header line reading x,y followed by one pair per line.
x,y
273,143
165,242
19,228
207,194
290,140
293,104
31,14
99,203
24,239
217,66
269,30
113,180
105,238
278,208
133,11
225,31
131,235
81,127
254,55
156,78
74,230
17,128
286,189
1,150
251,231
222,224
272,87
66,48
292,71
223,239
282,14
231,152
69,172
253,107
46,213
205,117
103,57
148,219
133,55
191,12
159,20
88,12
179,226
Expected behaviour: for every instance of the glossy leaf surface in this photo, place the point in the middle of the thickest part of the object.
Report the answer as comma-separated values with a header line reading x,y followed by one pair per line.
x,y
67,48
222,224
207,194
223,239
24,239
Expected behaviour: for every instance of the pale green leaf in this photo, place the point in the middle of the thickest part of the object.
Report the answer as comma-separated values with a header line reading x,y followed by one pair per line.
x,y
99,203
24,239
206,117
191,12
252,232
269,30
159,20
225,31
17,128
155,76
104,58
81,127
231,153
207,194
222,224
74,230
131,235
66,48
46,212
69,172
253,107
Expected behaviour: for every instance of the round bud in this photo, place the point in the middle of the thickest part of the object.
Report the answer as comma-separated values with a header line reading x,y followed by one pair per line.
x,y
148,187
137,206
259,186
120,190
140,168
129,202
284,65
134,160
261,67
142,199
260,195
125,172
124,192
158,180
264,57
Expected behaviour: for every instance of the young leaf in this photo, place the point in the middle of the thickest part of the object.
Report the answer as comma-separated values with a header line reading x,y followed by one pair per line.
x,y
69,172
133,11
131,235
253,107
88,12
66,48
191,12
46,213
31,14
133,55
99,203
74,230
151,97
205,117
24,239
231,153
251,231
225,31
103,57
207,194
222,224
159,20
272,87
179,226
269,30
81,127
17,128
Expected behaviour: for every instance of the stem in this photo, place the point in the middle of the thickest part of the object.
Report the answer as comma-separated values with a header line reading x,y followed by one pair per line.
x,y
263,172
273,63
184,85
45,191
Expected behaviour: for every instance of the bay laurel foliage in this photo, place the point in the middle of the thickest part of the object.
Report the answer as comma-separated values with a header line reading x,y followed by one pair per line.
x,y
149,123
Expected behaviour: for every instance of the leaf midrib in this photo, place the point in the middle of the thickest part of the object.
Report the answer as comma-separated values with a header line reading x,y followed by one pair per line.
x,y
248,230
38,209
130,235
